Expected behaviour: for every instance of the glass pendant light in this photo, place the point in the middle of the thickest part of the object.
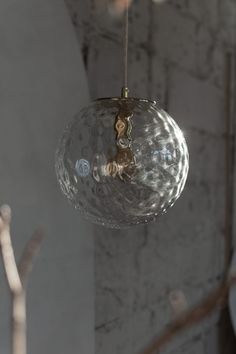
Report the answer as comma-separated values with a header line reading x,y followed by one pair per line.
x,y
122,161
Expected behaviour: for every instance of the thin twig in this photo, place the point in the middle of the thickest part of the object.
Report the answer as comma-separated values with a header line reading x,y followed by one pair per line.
x,y
216,299
30,252
9,262
16,278
15,285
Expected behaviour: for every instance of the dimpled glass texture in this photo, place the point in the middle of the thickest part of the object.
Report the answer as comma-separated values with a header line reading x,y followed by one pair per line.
x,y
89,143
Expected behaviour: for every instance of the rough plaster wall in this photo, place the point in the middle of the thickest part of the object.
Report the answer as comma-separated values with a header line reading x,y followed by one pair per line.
x,y
177,55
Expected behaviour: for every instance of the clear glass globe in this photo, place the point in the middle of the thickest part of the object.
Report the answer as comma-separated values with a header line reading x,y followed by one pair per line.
x,y
122,162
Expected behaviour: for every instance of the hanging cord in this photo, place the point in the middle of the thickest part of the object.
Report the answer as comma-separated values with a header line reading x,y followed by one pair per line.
x,y
125,90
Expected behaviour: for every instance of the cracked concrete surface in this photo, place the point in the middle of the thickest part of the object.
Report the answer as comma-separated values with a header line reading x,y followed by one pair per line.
x,y
177,55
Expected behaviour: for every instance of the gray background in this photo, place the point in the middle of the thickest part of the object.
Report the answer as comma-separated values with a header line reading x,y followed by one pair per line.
x,y
42,86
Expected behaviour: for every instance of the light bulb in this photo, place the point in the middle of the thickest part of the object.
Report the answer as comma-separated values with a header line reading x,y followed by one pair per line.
x,y
122,162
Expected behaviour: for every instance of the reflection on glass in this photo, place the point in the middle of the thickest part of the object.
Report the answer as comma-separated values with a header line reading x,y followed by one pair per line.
x,y
119,177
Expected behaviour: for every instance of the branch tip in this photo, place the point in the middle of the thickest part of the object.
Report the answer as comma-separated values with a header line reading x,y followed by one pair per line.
x,y
5,213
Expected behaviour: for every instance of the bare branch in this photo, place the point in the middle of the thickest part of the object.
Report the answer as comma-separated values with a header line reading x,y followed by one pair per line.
x,y
30,252
216,299
8,257
14,282
19,341
16,278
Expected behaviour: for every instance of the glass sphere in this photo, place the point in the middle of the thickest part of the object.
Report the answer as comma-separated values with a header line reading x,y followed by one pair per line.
x,y
122,161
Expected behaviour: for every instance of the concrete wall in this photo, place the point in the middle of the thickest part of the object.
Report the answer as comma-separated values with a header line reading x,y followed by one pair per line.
x,y
42,86
177,55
